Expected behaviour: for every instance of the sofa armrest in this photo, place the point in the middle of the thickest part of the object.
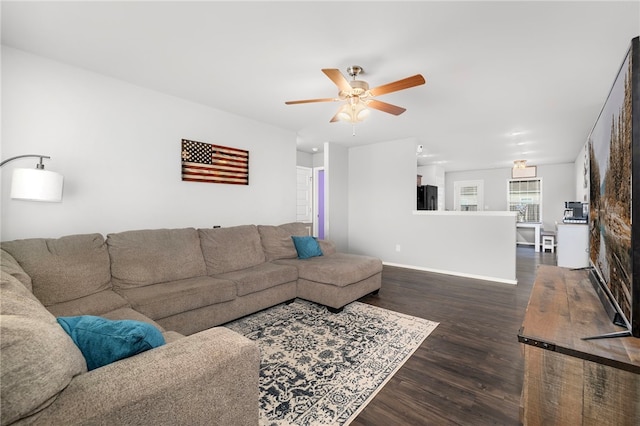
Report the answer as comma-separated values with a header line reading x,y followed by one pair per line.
x,y
209,377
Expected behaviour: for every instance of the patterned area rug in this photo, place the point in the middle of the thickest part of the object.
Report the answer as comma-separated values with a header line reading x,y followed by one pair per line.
x,y
320,368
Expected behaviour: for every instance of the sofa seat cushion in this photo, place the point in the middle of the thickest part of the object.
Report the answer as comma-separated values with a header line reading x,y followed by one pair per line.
x,y
260,277
165,299
94,304
231,249
65,268
339,269
38,359
172,336
130,314
151,256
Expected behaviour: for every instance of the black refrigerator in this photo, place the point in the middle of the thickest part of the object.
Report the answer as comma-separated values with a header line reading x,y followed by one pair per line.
x,y
427,197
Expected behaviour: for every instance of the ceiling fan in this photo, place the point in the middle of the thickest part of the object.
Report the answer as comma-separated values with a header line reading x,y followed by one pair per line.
x,y
358,96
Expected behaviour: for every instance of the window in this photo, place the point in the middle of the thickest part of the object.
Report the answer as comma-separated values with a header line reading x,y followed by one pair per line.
x,y
468,195
469,198
525,197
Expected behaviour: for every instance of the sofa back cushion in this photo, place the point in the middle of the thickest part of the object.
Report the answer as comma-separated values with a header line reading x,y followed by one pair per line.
x,y
152,256
11,266
65,268
297,229
37,358
231,249
277,242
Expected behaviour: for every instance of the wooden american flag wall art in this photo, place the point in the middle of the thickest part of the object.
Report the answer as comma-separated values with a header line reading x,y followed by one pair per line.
x,y
204,162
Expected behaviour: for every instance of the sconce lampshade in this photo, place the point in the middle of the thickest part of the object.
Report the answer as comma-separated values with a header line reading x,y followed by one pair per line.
x,y
520,164
36,185
353,112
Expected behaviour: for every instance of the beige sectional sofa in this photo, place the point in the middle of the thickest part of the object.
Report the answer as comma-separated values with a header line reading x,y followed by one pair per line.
x,y
186,282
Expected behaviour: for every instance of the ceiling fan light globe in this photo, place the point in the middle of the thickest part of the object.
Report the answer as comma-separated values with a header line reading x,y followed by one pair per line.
x,y
344,114
363,114
353,112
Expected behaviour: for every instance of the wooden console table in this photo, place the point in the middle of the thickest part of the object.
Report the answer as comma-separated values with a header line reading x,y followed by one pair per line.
x,y
567,380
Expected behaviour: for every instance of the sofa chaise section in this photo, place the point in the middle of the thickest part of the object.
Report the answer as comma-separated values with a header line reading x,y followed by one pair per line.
x,y
337,279
333,279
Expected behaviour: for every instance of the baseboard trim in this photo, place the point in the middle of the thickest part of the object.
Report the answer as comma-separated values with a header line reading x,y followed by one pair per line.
x,y
457,274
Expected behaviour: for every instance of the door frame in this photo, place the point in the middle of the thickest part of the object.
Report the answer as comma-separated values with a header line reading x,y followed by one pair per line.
x,y
318,175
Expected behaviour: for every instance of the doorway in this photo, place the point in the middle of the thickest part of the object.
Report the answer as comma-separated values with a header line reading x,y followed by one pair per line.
x,y
304,206
319,203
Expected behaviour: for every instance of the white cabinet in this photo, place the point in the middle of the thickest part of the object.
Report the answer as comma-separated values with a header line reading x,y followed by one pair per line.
x,y
573,245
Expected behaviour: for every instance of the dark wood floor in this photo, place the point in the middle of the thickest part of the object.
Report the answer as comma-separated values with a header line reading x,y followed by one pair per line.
x,y
469,370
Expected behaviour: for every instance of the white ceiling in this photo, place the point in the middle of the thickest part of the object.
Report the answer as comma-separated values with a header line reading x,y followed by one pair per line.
x,y
542,69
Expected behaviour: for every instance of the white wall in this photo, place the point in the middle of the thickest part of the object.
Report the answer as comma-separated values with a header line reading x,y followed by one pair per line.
x,y
336,175
118,147
318,159
382,180
304,159
495,187
558,186
470,244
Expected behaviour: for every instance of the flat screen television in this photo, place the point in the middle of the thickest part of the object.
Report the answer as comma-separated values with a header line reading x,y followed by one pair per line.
x,y
614,198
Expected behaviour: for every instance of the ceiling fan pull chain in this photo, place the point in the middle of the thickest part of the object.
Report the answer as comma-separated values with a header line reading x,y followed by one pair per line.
x,y
354,130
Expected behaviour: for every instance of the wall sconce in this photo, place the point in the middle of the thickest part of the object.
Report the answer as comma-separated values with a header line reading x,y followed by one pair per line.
x,y
35,184
521,170
520,164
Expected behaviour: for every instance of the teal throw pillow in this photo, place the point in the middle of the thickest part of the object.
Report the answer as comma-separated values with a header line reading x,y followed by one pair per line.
x,y
307,247
104,341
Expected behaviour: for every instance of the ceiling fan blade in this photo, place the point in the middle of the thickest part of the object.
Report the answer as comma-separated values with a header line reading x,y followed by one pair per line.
x,y
335,118
385,107
405,83
336,76
308,101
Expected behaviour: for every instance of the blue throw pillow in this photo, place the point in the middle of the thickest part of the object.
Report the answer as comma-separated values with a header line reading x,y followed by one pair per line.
x,y
104,341
307,247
